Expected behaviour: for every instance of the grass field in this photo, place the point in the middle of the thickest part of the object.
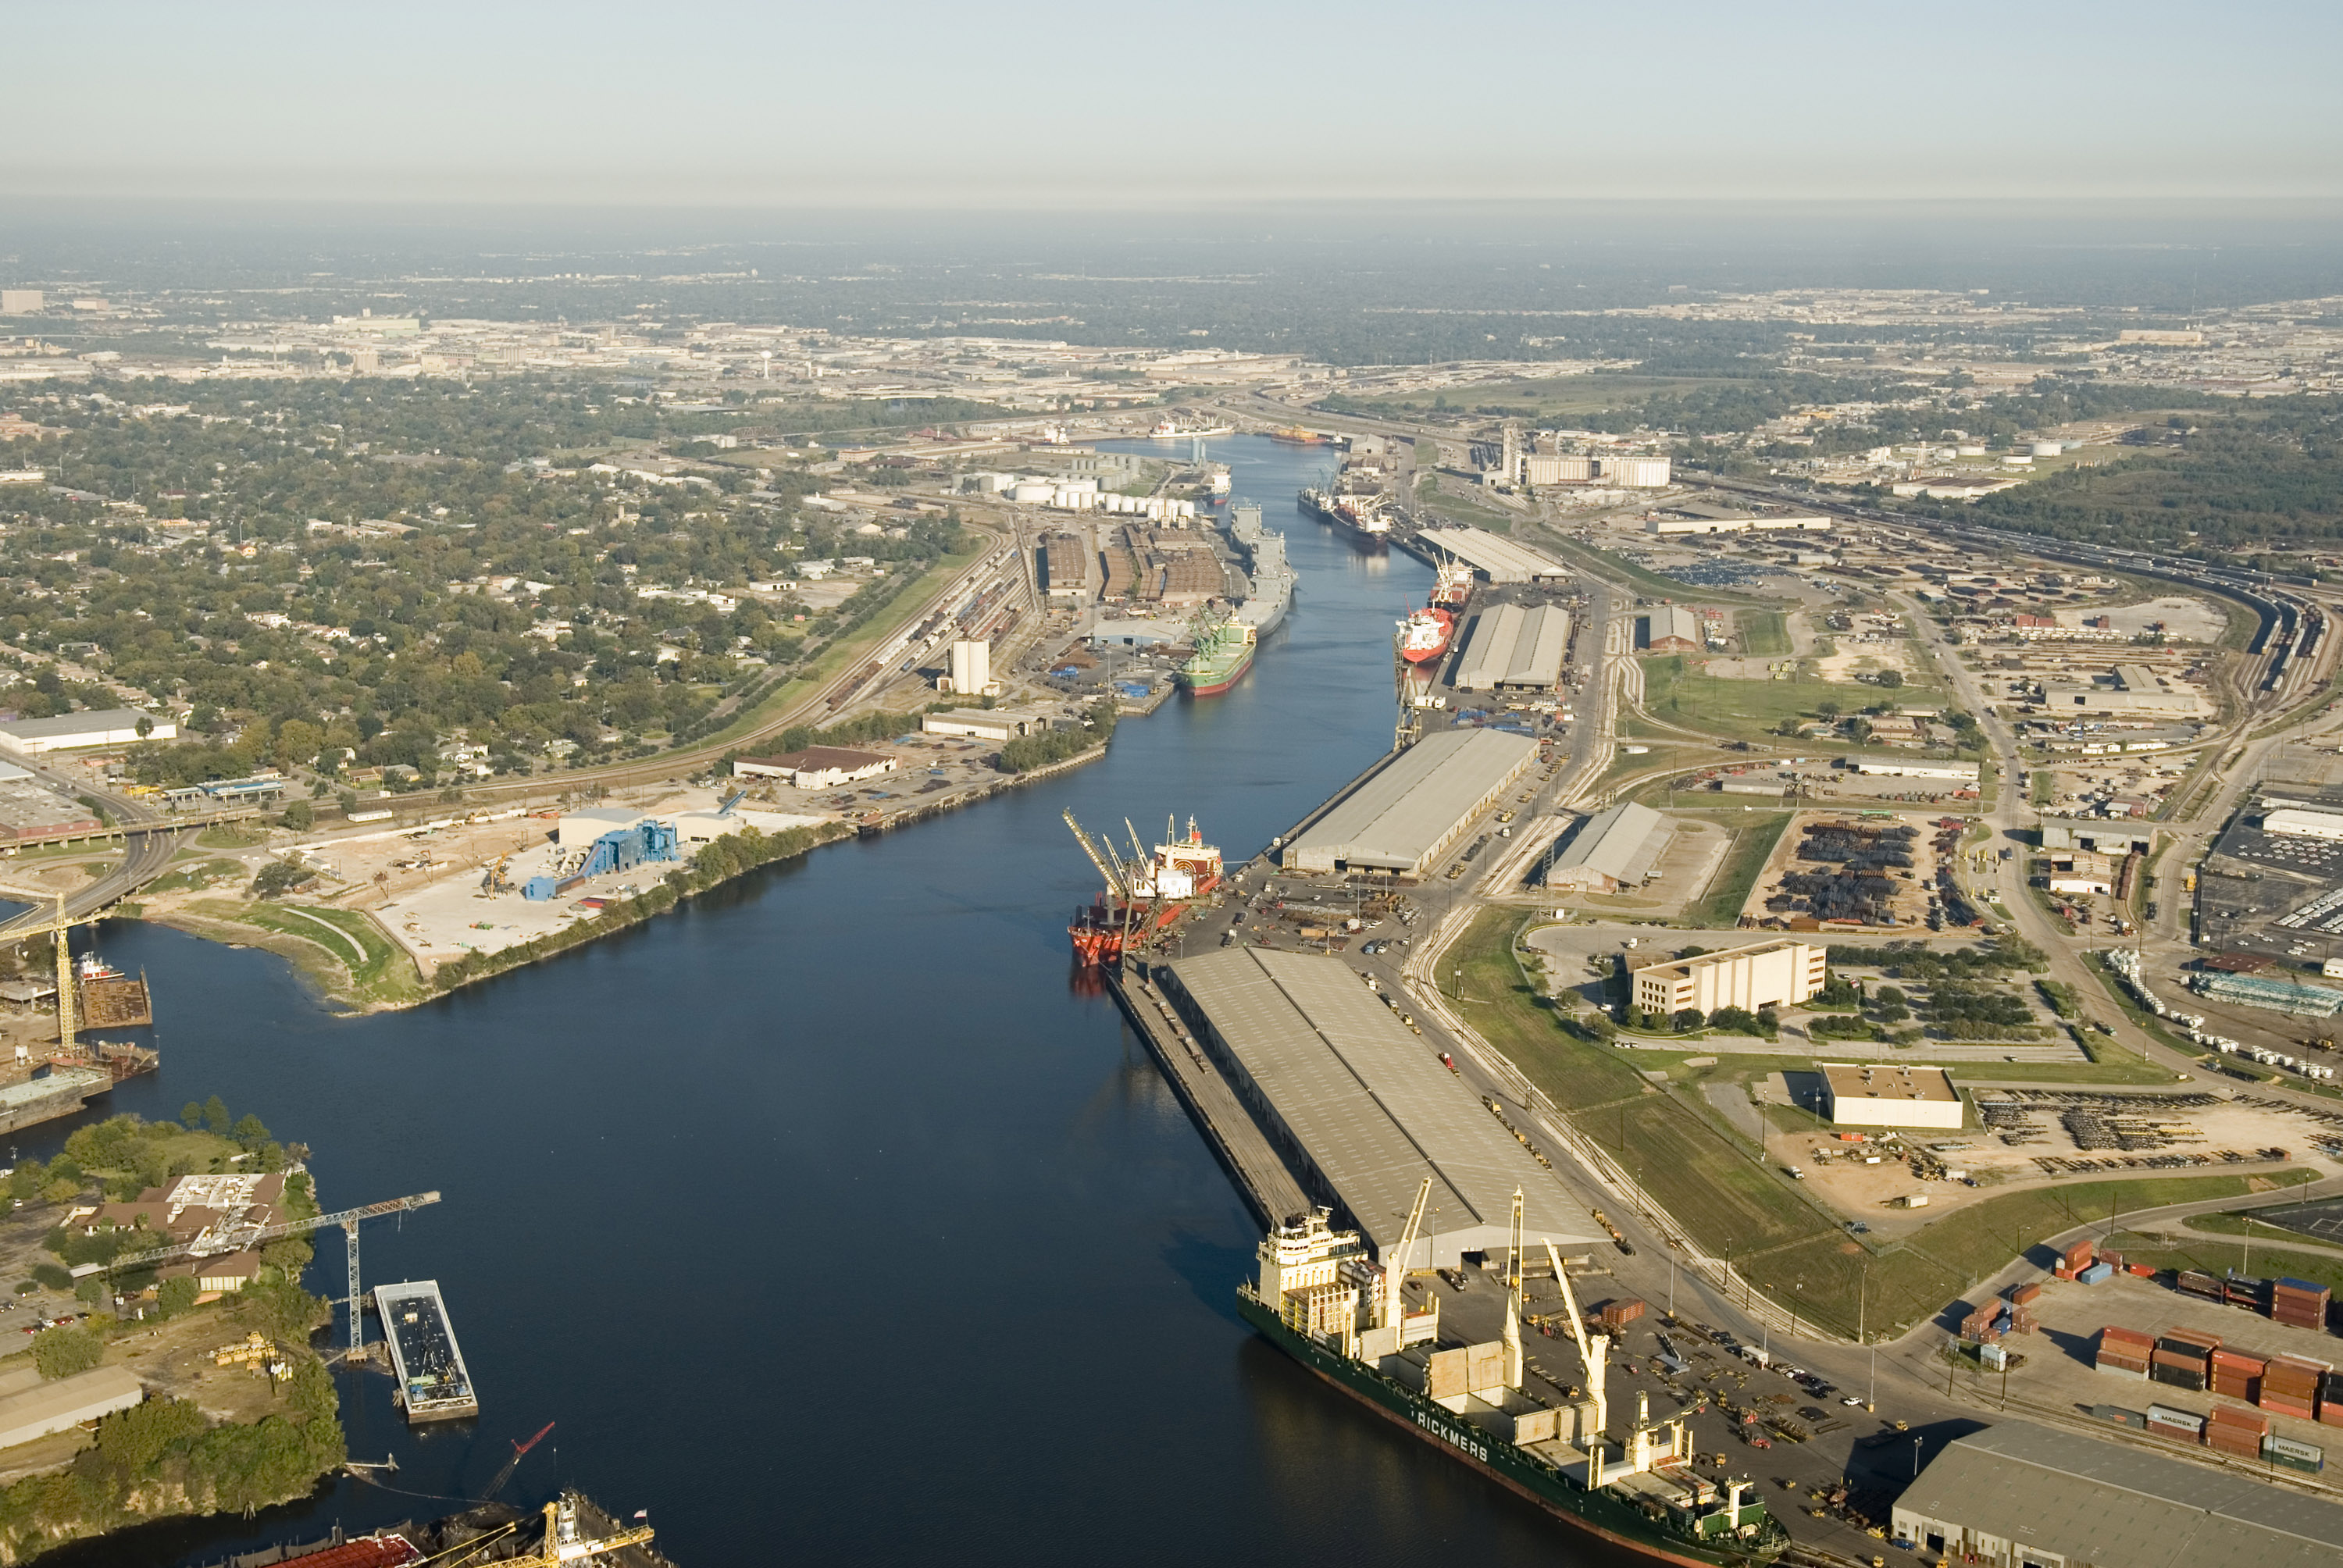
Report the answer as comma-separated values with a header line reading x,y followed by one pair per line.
x,y
199,874
377,969
1764,633
2217,1257
1736,1206
1675,691
229,836
1753,840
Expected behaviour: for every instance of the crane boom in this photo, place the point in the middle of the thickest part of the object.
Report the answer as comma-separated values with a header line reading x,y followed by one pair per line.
x,y
1106,866
1594,1355
241,1240
1395,1271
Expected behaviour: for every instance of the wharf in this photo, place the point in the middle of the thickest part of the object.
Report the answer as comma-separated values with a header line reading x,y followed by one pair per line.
x,y
1226,1125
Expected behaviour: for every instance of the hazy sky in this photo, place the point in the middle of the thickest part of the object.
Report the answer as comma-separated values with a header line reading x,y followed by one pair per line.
x,y
1028,104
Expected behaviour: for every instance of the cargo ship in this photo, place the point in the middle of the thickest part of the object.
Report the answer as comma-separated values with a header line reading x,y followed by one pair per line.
x,y
1165,430
1425,634
1322,1299
1144,895
1224,653
1361,515
1272,580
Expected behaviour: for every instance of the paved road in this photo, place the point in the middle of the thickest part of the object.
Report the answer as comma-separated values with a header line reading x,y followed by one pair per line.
x,y
149,850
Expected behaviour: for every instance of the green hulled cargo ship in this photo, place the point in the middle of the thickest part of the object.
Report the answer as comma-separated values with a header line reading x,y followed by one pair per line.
x,y
1224,653
1317,1286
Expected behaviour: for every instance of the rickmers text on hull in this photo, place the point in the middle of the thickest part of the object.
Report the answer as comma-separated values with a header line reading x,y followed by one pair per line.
x,y
1323,1302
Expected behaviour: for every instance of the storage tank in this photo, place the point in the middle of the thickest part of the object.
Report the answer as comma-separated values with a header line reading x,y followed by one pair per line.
x,y
2046,448
1030,490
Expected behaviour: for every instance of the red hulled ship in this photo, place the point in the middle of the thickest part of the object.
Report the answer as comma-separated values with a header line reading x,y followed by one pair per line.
x,y
1144,895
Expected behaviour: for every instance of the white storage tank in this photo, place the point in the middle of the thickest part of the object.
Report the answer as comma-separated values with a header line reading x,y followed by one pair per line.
x,y
1030,490
2046,448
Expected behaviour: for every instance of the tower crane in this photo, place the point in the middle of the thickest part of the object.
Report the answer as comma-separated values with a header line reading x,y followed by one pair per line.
x,y
65,981
1592,1354
245,1238
1108,866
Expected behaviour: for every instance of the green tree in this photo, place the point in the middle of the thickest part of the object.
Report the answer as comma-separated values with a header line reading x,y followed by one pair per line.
x,y
192,1114
62,1352
299,816
175,1295
216,1115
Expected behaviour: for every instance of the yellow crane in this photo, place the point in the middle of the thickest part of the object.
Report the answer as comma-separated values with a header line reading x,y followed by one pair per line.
x,y
563,1544
65,981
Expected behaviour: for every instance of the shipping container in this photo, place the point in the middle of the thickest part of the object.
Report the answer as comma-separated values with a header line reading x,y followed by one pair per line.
x,y
2078,1256
2137,1374
2024,1295
2096,1273
2307,1457
2117,1415
2190,1282
2178,1377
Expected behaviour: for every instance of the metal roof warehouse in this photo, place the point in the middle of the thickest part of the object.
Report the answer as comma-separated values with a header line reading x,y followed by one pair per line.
x,y
1515,645
2018,1493
1360,1104
1416,806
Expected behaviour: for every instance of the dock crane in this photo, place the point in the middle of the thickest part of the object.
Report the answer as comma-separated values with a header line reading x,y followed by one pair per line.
x,y
244,1240
1592,1354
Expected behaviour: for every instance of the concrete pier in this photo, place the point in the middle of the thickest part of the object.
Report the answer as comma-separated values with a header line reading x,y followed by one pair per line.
x,y
1271,1189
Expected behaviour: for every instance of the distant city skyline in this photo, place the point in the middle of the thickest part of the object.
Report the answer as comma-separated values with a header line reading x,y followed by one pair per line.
x,y
1053,106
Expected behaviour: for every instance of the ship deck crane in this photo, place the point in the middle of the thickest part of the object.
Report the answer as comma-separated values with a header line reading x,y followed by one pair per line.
x,y
521,1451
241,1240
1395,1271
1594,1355
1116,882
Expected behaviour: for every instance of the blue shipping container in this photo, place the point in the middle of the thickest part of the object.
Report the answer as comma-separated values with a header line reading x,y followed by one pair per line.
x,y
2096,1273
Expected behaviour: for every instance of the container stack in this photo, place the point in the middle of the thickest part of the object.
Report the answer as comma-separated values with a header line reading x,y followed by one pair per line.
x,y
2290,1386
2079,1258
2330,1400
2236,1373
2240,1290
2124,1353
2236,1431
2298,1303
2183,1359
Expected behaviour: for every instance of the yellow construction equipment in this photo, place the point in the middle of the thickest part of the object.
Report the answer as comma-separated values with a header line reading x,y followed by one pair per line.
x,y
564,1544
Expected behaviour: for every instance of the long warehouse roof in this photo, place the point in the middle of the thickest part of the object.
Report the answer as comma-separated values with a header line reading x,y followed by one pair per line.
x,y
1515,645
1622,843
1369,1101
2090,1500
1494,555
1396,818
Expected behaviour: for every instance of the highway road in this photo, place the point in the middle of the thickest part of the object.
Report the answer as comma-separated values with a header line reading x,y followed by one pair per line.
x,y
148,849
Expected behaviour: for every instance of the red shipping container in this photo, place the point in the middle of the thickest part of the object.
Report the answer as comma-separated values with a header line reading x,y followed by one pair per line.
x,y
2141,1270
2022,1294
2243,1420
2062,1272
2111,1334
2301,1408
2078,1256
2330,1414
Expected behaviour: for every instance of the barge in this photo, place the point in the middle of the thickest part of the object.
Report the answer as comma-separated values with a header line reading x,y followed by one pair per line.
x,y
432,1383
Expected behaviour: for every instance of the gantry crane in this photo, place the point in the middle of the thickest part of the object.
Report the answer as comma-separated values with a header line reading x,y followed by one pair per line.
x,y
243,1239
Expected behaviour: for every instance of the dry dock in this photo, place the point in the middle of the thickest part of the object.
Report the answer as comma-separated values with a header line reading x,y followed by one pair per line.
x,y
1226,1125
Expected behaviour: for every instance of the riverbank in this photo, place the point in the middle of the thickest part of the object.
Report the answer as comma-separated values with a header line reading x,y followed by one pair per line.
x,y
354,964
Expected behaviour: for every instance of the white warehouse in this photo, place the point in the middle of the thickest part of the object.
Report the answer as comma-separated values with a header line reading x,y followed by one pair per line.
x,y
2301,824
1861,1095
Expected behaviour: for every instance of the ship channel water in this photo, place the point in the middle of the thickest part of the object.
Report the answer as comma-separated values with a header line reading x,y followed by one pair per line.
x,y
830,1217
